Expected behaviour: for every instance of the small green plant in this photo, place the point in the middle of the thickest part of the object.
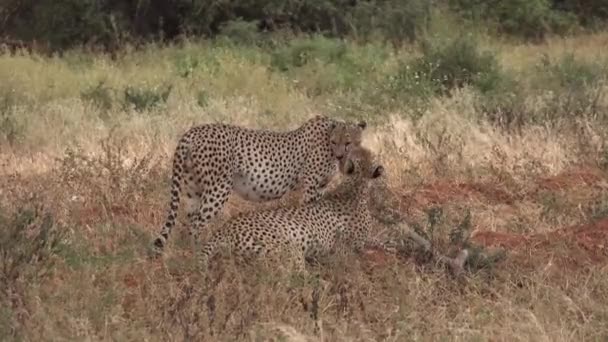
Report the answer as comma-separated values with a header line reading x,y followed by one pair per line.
x,y
599,208
503,104
572,73
185,65
142,99
202,98
99,96
10,129
28,239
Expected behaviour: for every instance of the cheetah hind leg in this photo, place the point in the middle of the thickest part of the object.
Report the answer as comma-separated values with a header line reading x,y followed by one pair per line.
x,y
211,203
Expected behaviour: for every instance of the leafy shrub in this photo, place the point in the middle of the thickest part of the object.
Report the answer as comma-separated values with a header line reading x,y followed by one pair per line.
x,y
442,68
28,239
145,99
240,31
107,175
410,86
29,243
458,63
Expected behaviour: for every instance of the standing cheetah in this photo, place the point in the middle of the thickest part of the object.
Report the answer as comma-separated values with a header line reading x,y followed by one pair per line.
x,y
307,230
212,160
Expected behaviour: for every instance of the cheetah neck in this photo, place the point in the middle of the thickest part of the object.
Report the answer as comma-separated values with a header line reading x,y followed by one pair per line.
x,y
350,194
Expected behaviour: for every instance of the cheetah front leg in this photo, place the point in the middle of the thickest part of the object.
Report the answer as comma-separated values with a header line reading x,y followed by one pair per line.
x,y
312,190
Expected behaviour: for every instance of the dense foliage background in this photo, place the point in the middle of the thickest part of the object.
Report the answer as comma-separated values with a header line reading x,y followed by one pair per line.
x,y
65,23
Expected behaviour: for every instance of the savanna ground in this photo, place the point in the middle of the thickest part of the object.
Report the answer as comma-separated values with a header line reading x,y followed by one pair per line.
x,y
514,153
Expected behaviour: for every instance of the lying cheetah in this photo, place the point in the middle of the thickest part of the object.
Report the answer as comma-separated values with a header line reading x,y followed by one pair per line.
x,y
212,160
307,230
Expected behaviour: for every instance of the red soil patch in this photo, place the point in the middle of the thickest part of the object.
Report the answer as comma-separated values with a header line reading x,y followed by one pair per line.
x,y
444,191
376,257
582,176
574,246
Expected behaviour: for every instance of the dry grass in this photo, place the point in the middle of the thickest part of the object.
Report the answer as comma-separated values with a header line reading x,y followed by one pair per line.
x,y
107,198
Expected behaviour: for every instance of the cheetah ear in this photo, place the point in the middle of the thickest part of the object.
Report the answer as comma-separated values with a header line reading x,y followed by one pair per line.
x,y
362,124
379,171
349,167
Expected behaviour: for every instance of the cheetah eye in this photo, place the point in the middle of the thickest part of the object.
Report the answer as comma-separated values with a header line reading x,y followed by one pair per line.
x,y
378,171
333,142
347,143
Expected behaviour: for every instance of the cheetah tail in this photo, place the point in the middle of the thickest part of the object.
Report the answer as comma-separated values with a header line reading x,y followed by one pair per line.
x,y
161,240
187,162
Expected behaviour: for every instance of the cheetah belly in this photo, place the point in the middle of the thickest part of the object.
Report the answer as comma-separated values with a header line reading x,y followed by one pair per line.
x,y
256,191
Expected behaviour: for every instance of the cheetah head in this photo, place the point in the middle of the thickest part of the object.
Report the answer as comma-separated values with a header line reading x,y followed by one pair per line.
x,y
360,163
344,137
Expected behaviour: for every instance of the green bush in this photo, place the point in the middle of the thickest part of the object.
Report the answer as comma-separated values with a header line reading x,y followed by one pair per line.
x,y
445,66
301,51
146,98
185,65
530,19
577,85
504,106
571,73
241,32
